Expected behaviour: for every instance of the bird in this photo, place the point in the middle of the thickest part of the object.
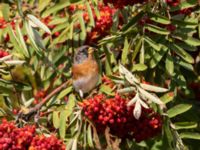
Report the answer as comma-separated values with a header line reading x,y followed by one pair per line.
x,y
85,70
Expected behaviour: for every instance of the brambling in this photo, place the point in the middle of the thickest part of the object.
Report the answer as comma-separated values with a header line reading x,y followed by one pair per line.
x,y
85,71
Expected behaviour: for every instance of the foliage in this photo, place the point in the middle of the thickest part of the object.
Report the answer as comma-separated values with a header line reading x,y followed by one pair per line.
x,y
148,53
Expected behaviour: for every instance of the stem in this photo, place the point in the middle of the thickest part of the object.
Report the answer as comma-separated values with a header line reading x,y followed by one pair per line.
x,y
44,101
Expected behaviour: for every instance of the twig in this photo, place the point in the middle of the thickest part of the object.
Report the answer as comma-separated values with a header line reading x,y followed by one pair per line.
x,y
34,109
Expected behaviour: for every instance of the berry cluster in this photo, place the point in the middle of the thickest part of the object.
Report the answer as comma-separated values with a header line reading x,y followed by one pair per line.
x,y
173,2
114,113
14,138
122,3
47,143
39,95
3,53
102,24
47,21
2,23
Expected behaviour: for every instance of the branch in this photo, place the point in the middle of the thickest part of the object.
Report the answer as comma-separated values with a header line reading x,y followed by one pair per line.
x,y
34,109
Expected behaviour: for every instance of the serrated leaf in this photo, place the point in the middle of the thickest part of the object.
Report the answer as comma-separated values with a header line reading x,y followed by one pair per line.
x,y
133,100
143,104
62,124
168,97
106,89
187,39
153,88
150,96
178,109
89,136
182,53
74,145
137,110
55,8
91,23
5,58
185,125
133,21
14,62
139,67
157,57
56,119
153,44
126,90
169,64
21,41
43,4
30,34
157,29
128,75
184,5
14,39
190,135
5,9
159,19
125,52
137,49
186,65
38,39
82,24
38,23
64,92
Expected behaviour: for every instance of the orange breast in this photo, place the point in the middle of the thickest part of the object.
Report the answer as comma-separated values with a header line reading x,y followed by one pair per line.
x,y
88,67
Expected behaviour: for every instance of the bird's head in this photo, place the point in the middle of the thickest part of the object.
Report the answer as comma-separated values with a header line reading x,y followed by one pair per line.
x,y
83,53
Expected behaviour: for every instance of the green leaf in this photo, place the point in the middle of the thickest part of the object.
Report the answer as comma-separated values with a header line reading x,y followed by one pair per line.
x,y
169,64
139,67
55,8
89,136
187,47
153,44
185,65
187,39
168,97
178,109
185,125
14,39
30,34
82,24
157,29
56,119
150,96
91,23
153,88
38,23
190,135
21,41
38,39
137,48
184,5
62,124
5,10
43,4
125,52
133,21
159,19
19,8
156,58
64,114
64,92
182,53
106,89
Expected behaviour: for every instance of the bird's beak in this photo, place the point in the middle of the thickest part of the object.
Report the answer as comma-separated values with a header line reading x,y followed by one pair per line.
x,y
91,50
